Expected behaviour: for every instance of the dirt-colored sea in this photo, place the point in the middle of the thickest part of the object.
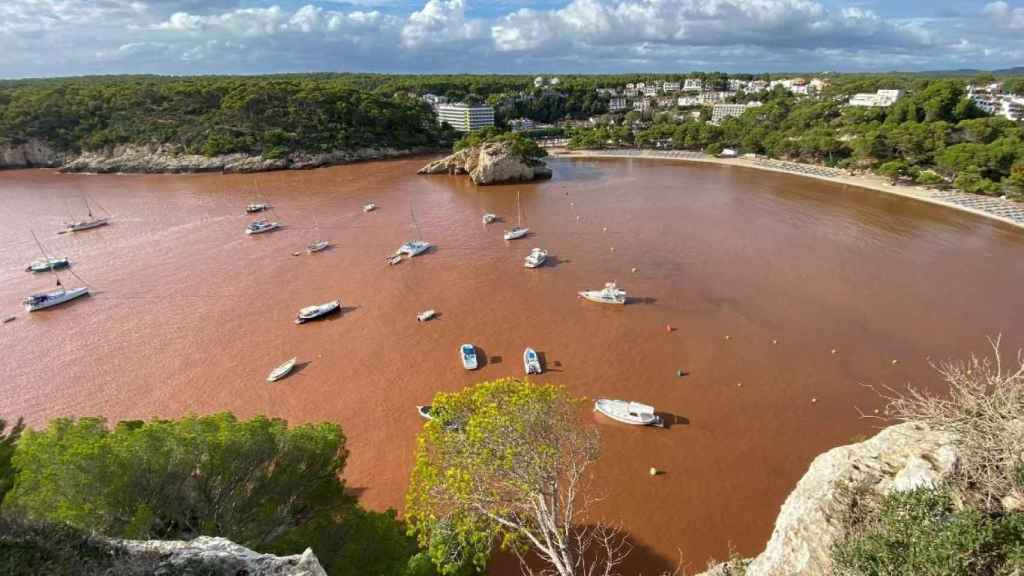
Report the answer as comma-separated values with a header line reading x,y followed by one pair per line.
x,y
786,297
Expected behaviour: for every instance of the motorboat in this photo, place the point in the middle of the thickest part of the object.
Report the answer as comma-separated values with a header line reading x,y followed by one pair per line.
x,y
516,233
424,412
80,225
42,300
257,207
425,315
317,311
47,265
632,413
531,362
282,371
413,248
468,354
261,226
536,258
318,246
610,294
369,207
489,218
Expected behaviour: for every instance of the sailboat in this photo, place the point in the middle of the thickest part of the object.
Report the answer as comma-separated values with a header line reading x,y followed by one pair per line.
x,y
90,222
48,263
318,245
255,206
412,247
41,300
517,231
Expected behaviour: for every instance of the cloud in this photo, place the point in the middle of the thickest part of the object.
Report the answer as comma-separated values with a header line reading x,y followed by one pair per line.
x,y
440,22
1002,15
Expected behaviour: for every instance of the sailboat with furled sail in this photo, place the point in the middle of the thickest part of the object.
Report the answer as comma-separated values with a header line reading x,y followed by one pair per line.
x,y
412,247
90,222
41,300
517,231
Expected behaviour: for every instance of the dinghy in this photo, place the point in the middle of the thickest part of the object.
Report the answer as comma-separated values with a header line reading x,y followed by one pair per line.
x,y
536,258
425,315
632,413
281,371
610,294
318,311
47,265
369,207
318,246
424,412
257,207
468,354
261,226
531,361
489,218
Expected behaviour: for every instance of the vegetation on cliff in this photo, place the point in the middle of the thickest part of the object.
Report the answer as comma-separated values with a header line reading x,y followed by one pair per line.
x,y
520,145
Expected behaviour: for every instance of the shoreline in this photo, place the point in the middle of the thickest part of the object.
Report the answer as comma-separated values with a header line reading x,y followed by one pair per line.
x,y
1005,211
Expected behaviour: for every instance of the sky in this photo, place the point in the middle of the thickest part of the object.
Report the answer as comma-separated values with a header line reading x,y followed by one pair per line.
x,y
78,37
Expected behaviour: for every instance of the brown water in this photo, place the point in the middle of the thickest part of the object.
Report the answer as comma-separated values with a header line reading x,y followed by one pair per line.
x,y
190,314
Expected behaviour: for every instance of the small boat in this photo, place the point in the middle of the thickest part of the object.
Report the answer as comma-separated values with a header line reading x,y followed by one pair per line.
x,y
468,354
281,371
632,413
610,294
47,265
317,311
85,225
424,412
489,218
318,246
9,319
369,207
257,207
260,226
425,315
43,300
536,258
413,248
394,259
516,233
531,361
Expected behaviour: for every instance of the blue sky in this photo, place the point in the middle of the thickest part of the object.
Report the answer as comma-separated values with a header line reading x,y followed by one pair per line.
x,y
72,37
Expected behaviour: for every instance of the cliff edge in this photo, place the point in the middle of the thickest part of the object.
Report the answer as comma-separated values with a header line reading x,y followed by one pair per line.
x,y
490,163
220,556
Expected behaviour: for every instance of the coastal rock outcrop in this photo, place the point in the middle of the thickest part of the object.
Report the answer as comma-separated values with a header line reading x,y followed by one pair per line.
x,y
489,163
899,458
31,154
206,555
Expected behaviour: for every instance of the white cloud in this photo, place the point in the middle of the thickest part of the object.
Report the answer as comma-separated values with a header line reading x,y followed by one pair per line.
x,y
440,22
1004,16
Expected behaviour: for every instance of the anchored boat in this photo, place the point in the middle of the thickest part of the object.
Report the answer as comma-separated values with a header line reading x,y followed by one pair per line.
x,y
531,362
369,207
517,231
260,226
48,264
281,371
413,248
632,413
257,207
41,300
317,311
610,294
536,258
425,315
90,222
468,354
318,246
489,218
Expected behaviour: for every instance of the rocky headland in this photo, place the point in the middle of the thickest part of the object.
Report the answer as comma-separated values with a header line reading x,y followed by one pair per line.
x,y
490,163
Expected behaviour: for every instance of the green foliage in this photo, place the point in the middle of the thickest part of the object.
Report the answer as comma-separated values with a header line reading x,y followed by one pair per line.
x,y
8,443
251,481
893,170
34,548
520,144
922,533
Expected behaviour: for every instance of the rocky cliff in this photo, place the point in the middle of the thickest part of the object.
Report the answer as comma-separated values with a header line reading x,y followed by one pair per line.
x,y
171,159
899,458
206,555
489,163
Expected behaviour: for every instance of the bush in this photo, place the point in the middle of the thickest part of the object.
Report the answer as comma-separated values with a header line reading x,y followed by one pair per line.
x,y
8,442
34,548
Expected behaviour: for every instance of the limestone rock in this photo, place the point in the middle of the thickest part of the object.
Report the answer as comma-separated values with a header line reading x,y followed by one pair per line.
x,y
489,163
899,458
208,555
31,154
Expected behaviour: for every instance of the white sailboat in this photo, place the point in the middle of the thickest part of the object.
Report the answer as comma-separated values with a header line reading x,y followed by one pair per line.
x,y
46,264
517,231
610,294
424,412
413,247
633,413
261,226
90,222
536,258
41,300
426,315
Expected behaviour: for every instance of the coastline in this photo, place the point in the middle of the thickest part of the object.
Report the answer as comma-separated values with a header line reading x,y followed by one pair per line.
x,y
1005,211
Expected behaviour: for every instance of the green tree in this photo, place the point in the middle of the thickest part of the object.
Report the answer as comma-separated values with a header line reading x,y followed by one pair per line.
x,y
503,464
8,442
893,170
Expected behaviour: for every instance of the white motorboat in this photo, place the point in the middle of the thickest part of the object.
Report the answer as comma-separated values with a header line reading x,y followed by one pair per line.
x,y
319,246
610,294
413,248
425,315
632,413
260,226
468,354
42,300
48,264
281,371
257,207
531,362
489,218
317,311
536,258
369,207
424,412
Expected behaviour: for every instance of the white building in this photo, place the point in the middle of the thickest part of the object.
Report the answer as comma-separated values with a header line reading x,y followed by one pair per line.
x,y
735,84
669,87
693,85
880,99
642,105
651,90
666,101
521,124
434,99
617,104
538,81
1011,108
554,81
688,101
756,86
722,111
465,118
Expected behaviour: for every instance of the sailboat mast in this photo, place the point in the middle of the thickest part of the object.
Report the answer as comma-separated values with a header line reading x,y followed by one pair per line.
x,y
519,211
49,262
85,197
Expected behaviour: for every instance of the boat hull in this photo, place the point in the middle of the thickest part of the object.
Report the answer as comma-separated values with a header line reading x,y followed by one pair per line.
x,y
614,409
321,311
79,226
271,228
318,247
531,362
516,234
282,370
55,264
469,358
601,300
56,299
